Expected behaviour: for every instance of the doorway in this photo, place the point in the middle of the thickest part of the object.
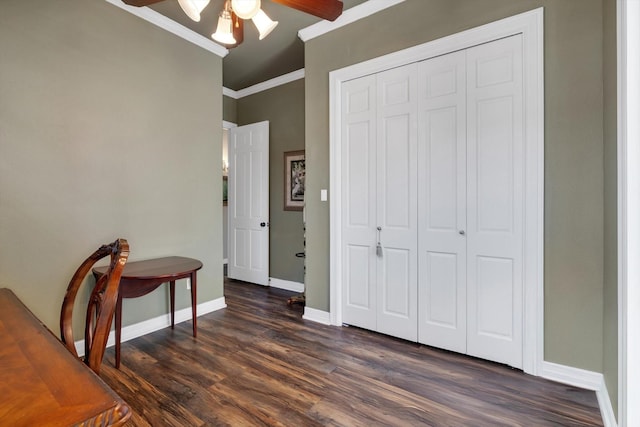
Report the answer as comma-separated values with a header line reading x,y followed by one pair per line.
x,y
225,194
248,203
529,26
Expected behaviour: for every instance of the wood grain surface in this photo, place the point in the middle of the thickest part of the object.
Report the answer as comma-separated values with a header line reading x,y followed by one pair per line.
x,y
42,383
258,363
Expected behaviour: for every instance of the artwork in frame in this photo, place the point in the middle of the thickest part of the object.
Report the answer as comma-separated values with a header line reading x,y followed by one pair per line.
x,y
294,174
225,190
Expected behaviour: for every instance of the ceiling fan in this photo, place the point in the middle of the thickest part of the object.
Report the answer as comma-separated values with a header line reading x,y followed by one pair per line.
x,y
230,31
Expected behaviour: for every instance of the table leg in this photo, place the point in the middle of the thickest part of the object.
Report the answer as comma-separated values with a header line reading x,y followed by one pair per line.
x,y
194,303
118,329
172,292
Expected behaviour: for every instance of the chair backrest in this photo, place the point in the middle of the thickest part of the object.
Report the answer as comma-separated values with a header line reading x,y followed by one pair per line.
x,y
102,303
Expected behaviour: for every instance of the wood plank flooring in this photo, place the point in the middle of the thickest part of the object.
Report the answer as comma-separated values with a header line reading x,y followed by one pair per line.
x,y
258,363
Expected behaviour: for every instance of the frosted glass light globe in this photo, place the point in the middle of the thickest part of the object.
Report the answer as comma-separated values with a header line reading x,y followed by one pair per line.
x,y
245,9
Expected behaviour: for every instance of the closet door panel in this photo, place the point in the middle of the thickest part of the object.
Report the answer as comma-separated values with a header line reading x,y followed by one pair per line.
x,y
440,300
396,297
396,202
441,150
441,202
495,200
494,166
359,294
495,284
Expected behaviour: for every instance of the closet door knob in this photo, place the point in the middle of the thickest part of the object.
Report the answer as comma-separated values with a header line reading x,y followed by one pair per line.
x,y
461,232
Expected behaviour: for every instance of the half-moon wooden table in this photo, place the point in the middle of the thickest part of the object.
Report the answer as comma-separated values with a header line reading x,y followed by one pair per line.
x,y
141,277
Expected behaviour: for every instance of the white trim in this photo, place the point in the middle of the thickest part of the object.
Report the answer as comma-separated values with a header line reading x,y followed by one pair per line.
x,y
266,85
588,380
230,93
270,84
576,377
628,20
530,25
287,285
173,27
348,16
317,316
160,322
228,125
606,409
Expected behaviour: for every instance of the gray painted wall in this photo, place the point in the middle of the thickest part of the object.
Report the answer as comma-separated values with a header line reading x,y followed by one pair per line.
x,y
229,109
573,149
284,108
102,137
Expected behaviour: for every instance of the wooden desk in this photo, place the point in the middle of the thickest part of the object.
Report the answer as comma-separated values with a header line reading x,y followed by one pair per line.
x,y
42,383
141,277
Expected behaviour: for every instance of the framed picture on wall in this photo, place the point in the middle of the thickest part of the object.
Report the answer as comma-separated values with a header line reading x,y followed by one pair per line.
x,y
294,174
225,190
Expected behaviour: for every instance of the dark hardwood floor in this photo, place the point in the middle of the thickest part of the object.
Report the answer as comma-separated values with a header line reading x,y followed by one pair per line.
x,y
258,363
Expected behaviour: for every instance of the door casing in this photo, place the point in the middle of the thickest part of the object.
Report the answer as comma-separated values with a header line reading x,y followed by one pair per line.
x,y
530,25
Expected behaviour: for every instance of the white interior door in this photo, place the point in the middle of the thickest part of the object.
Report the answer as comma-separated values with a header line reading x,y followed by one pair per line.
x,y
471,201
396,211
248,203
442,184
495,200
379,198
359,292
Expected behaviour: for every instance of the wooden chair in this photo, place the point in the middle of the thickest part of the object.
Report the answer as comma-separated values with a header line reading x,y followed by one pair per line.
x,y
101,306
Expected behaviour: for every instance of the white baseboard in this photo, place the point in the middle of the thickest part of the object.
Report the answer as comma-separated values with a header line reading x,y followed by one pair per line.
x,y
604,401
317,316
588,380
151,325
286,285
573,376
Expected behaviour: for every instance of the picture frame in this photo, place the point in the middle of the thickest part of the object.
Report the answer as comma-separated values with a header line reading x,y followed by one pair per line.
x,y
225,190
294,180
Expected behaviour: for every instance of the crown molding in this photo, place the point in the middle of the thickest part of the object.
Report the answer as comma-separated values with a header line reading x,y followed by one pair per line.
x,y
230,93
173,27
348,16
269,84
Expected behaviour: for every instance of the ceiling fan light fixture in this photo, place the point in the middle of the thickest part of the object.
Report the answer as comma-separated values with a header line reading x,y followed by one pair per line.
x,y
224,32
245,9
263,23
193,8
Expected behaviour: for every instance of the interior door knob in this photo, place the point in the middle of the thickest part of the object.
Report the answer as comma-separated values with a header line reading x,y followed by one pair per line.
x,y
461,232
263,224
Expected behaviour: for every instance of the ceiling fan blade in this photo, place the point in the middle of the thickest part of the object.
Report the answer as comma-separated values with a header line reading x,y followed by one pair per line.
x,y
325,9
140,3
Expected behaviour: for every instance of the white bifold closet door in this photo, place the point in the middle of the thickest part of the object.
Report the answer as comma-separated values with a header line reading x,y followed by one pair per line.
x,y
495,201
380,202
432,175
442,202
471,201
